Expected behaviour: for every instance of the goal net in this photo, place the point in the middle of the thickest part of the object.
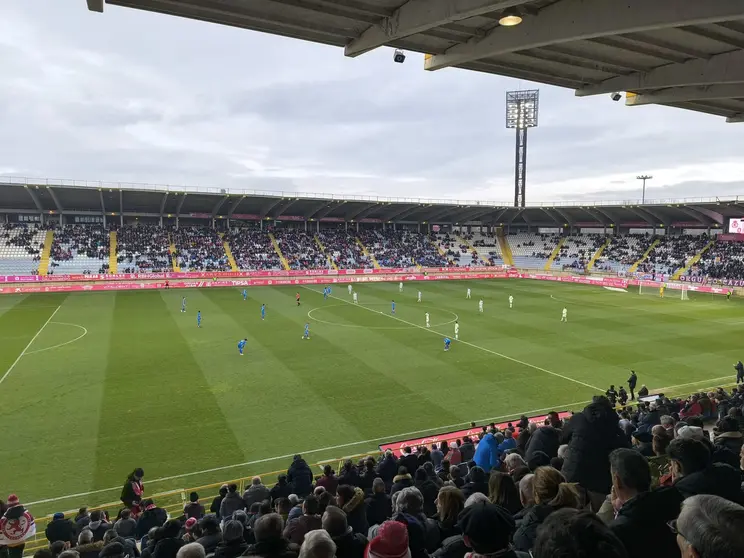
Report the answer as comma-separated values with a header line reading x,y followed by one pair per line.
x,y
669,290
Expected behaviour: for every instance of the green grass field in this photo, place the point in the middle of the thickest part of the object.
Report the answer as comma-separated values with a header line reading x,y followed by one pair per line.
x,y
111,381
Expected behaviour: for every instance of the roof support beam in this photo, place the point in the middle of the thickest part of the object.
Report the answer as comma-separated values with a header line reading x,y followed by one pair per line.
x,y
271,205
407,213
400,210
233,206
572,20
568,219
736,119
283,208
516,214
218,205
103,205
714,215
477,215
438,215
601,218
552,217
356,213
55,198
95,6
35,199
417,16
162,203
727,68
699,217
684,94
121,202
326,209
180,204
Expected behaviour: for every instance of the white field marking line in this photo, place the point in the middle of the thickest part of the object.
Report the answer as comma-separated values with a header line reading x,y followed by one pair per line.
x,y
23,352
58,345
533,366
309,315
696,383
403,435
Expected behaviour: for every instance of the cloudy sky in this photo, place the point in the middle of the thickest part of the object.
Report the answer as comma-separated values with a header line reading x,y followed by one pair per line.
x,y
134,96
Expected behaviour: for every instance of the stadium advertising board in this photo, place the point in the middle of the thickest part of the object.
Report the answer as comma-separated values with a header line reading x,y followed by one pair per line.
x,y
396,447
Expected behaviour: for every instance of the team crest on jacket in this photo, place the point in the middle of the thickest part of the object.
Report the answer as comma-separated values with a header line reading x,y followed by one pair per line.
x,y
13,531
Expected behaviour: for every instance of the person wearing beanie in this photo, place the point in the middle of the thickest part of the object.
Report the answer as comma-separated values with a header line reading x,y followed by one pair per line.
x,y
60,529
391,542
477,483
351,500
193,508
189,534
16,525
487,530
233,543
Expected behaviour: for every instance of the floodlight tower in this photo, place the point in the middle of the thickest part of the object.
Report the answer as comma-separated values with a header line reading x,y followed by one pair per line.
x,y
521,113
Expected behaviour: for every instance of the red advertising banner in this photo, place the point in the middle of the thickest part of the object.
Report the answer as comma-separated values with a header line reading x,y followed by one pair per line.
x,y
413,443
290,218
246,216
731,237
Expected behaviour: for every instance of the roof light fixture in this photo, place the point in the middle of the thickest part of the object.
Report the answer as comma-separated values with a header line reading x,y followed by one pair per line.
x,y
510,18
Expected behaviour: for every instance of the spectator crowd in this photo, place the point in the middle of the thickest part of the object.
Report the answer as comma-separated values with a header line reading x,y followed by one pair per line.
x,y
656,479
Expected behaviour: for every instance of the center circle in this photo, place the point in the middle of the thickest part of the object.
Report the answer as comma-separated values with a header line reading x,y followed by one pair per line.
x,y
455,317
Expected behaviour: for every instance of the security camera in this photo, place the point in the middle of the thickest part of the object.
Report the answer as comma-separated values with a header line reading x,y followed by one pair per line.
x,y
616,96
399,57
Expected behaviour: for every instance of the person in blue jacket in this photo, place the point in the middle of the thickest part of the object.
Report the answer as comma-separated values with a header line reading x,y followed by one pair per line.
x,y
487,453
508,443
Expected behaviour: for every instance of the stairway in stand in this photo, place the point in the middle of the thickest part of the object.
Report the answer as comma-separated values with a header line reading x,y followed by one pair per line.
x,y
285,263
367,253
46,253
598,254
554,254
174,255
322,249
113,247
228,253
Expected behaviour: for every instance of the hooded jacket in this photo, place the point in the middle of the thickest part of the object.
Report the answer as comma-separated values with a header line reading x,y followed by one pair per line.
x,y
642,524
356,512
487,453
255,493
300,476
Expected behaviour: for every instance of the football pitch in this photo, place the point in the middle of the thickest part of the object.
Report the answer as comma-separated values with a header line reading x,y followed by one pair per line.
x,y
96,384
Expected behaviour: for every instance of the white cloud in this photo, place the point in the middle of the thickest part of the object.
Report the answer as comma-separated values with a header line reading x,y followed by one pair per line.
x,y
141,97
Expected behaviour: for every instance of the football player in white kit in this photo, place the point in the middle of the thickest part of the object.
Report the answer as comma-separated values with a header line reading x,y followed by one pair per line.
x,y
480,306
419,297
350,289
427,320
468,294
511,301
457,331
400,287
564,315
356,300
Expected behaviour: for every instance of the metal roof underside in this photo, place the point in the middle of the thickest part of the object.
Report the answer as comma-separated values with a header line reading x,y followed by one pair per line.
x,y
46,198
680,53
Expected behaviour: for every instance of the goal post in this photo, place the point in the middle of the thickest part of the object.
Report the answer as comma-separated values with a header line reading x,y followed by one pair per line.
x,y
671,290
683,295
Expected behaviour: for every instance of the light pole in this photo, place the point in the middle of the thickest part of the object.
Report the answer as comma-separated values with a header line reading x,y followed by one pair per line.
x,y
644,177
521,113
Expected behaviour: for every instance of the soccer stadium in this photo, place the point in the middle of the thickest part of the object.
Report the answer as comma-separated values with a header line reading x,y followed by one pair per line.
x,y
195,371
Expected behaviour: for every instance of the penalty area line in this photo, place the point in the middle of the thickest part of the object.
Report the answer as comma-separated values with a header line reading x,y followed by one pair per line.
x,y
24,351
473,345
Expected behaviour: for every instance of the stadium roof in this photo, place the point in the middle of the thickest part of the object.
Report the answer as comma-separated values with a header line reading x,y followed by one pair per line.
x,y
30,196
680,53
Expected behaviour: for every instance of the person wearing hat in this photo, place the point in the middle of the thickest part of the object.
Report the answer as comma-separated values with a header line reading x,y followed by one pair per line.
x,y
300,476
642,440
60,529
233,544
487,530
391,542
191,530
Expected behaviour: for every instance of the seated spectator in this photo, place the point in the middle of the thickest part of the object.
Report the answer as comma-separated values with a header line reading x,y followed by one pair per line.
x,y
693,471
169,540
659,463
526,496
152,516
191,550
233,543
710,527
86,546
269,540
428,489
125,526
502,491
98,525
318,544
513,461
569,533
477,483
408,506
348,544
551,493
60,529
193,508
82,519
642,514
255,493
728,435
401,481
450,502
211,534
282,489
296,529
487,530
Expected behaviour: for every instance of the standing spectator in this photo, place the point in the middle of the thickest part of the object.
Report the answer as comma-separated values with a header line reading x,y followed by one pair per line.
x,y
300,476
467,450
545,439
232,502
591,436
401,481
16,525
387,468
329,481
642,514
487,453
131,493
82,519
282,489
503,492
217,502
256,493
125,526
378,506
576,534
152,516
437,456
98,525
60,529
193,508
348,474
710,527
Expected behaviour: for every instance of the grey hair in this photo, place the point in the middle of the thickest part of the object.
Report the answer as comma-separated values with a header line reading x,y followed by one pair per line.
x,y
514,460
667,420
85,536
191,550
712,526
318,544
71,553
526,489
532,427
563,451
410,501
476,498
